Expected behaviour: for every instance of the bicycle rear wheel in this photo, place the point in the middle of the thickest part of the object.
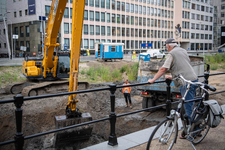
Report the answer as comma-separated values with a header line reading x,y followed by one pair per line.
x,y
164,135
204,130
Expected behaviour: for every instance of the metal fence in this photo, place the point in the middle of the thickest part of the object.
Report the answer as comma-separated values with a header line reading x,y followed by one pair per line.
x,y
18,100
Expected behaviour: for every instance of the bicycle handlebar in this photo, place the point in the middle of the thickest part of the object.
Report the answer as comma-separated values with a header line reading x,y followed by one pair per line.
x,y
203,86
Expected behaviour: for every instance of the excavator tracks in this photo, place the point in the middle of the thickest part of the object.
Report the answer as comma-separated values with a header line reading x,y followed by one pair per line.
x,y
51,88
28,88
16,88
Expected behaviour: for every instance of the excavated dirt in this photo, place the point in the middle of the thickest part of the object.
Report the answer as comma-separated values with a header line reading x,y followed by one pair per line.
x,y
38,115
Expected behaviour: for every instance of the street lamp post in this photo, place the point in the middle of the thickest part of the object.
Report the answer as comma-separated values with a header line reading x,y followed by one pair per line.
x,y
6,31
11,39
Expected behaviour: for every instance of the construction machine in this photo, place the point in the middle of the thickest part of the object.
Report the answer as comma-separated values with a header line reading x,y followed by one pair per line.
x,y
47,75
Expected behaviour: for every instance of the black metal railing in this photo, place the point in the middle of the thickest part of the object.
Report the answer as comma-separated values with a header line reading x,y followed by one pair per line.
x,y
19,100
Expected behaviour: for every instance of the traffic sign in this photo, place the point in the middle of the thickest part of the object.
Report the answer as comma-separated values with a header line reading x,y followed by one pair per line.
x,y
43,18
146,45
15,36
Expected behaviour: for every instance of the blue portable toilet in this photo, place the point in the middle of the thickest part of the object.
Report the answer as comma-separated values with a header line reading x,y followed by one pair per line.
x,y
108,51
145,57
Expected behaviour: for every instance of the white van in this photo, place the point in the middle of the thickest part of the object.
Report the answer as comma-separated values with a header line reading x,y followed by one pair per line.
x,y
156,53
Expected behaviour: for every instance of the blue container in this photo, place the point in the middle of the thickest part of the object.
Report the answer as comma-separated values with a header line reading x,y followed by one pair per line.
x,y
220,51
145,57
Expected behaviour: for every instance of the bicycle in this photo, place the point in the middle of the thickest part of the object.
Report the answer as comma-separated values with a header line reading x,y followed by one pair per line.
x,y
165,134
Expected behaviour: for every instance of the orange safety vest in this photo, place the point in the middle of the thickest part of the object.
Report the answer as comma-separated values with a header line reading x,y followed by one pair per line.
x,y
128,89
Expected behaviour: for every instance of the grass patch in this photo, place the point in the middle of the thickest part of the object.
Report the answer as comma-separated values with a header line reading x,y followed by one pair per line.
x,y
216,61
10,75
103,73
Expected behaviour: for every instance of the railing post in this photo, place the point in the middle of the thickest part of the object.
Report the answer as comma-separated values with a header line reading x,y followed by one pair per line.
x,y
206,76
168,101
19,138
112,136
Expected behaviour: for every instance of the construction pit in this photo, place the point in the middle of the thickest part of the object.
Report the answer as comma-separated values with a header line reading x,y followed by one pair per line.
x,y
39,115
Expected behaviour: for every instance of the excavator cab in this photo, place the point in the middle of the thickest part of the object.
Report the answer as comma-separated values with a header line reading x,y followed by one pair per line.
x,y
63,70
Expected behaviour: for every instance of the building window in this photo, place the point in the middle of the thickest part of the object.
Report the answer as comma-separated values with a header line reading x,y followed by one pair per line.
x,y
66,28
0,45
118,31
85,29
193,6
113,5
96,16
21,31
91,29
66,13
91,14
132,8
16,30
192,35
118,18
113,18
4,31
222,14
20,12
86,44
136,20
26,12
206,36
92,44
28,46
123,6
85,15
128,19
27,31
202,8
144,10
102,3
123,31
96,3
118,5
123,19
47,10
127,32
140,9
15,14
107,4
222,6
136,9
108,17
127,7
91,3
86,2
102,17
108,31
97,30
210,36
140,21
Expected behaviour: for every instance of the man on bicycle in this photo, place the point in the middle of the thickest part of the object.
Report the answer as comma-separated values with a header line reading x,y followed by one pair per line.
x,y
178,62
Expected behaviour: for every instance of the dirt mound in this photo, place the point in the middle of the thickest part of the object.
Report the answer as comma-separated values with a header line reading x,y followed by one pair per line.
x,y
38,116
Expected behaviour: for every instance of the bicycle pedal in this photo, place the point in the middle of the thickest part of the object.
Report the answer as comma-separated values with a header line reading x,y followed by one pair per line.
x,y
190,138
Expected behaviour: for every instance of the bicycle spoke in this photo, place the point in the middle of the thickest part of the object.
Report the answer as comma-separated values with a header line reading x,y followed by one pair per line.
x,y
163,136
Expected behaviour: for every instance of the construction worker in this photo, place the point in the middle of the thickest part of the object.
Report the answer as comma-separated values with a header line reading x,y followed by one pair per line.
x,y
88,54
134,55
126,93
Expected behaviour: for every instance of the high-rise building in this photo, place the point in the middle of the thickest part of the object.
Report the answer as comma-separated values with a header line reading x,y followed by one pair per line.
x,y
219,23
131,22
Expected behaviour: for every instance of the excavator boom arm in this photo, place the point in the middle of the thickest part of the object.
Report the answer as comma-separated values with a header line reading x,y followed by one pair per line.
x,y
52,29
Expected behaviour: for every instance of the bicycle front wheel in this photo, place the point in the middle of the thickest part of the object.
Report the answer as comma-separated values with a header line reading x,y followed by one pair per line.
x,y
164,135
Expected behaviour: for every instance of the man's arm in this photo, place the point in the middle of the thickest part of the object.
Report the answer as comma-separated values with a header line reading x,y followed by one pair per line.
x,y
161,71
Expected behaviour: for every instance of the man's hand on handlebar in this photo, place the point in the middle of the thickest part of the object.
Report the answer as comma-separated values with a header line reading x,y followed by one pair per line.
x,y
169,77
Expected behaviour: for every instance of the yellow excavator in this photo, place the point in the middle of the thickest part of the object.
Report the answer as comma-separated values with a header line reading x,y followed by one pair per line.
x,y
52,67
